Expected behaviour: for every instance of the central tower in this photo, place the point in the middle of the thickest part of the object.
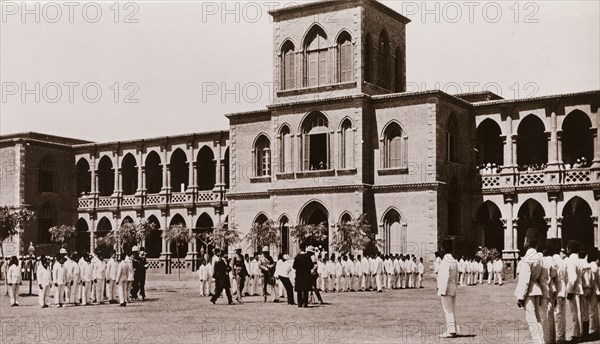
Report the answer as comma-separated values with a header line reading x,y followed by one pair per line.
x,y
338,47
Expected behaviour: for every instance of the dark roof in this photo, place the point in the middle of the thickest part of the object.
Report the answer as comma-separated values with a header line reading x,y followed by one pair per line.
x,y
43,138
323,4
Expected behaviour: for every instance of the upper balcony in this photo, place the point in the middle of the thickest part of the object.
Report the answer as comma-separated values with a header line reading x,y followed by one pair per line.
x,y
210,198
565,176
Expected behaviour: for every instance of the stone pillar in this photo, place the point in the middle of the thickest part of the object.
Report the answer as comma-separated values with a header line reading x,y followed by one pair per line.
x,y
94,176
596,162
508,143
552,141
93,233
559,152
559,226
553,231
596,239
515,158
192,186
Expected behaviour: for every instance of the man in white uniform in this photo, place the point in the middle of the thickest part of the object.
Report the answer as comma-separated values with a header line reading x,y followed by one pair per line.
x,y
574,287
447,279
99,278
44,277
121,282
111,279
528,289
561,289
59,276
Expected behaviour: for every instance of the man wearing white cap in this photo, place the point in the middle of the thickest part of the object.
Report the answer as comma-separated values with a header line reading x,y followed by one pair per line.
x,y
121,282
111,279
75,278
59,276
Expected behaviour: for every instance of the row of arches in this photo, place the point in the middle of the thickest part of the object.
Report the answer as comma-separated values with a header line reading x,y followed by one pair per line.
x,y
532,145
577,223
178,167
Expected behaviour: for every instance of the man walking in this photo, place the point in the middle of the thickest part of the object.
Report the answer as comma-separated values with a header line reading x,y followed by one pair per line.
x,y
447,279
574,287
303,266
239,273
221,276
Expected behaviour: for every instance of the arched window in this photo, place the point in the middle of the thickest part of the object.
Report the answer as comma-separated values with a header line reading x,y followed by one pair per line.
x,y
153,243
285,150
47,175
394,150
129,171
454,209
82,236
183,247
368,59
395,232
48,217
153,173
452,140
105,227
315,142
345,58
106,177
262,157
206,168
84,177
577,138
316,58
346,144
179,171
383,61
288,66
399,71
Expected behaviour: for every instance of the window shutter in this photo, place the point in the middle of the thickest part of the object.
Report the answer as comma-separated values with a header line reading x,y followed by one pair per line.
x,y
313,69
306,152
322,69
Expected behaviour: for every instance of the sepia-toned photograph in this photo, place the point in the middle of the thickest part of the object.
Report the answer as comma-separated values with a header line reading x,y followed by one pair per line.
x,y
310,171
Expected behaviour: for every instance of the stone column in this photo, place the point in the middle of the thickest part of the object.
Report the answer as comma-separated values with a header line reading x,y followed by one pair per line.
x,y
596,162
515,158
553,232
552,141
94,176
559,226
559,152
596,239
93,233
508,143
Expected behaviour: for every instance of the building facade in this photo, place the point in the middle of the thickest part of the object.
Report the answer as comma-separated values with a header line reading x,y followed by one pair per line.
x,y
342,138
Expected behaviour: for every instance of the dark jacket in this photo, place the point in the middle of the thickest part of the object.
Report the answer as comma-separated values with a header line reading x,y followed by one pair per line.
x,y
221,274
303,265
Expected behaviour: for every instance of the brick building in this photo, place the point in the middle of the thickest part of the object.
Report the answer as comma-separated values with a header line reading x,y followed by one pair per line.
x,y
343,138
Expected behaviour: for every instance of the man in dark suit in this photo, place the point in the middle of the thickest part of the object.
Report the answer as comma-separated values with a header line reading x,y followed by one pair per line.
x,y
221,276
303,266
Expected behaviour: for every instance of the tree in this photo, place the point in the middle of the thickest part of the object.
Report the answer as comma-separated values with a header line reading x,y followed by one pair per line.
x,y
10,222
62,234
127,235
180,235
310,234
265,234
223,236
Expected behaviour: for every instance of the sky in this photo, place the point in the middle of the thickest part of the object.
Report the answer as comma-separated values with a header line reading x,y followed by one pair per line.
x,y
107,71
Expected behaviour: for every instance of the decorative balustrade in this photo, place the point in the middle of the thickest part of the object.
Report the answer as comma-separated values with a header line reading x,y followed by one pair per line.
x,y
535,178
577,176
106,201
88,201
205,196
130,200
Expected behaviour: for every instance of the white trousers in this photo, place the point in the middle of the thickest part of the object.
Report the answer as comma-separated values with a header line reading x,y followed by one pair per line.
x,y
593,307
559,318
59,294
74,292
204,288
379,281
123,291
498,276
99,286
448,305
43,295
86,288
111,292
13,293
575,305
547,320
532,317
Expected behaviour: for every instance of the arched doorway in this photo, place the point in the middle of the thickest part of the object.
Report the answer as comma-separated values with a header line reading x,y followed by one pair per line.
x,y
83,178
106,177
183,247
204,225
179,171
315,213
577,223
489,143
82,236
577,139
395,232
153,173
284,230
491,228
129,173
153,242
532,144
531,215
206,169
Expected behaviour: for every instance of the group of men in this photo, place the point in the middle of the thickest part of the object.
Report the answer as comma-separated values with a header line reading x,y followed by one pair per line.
x,y
83,279
471,271
549,278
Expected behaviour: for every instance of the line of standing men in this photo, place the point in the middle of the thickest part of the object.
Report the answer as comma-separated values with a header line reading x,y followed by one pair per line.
x,y
548,280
